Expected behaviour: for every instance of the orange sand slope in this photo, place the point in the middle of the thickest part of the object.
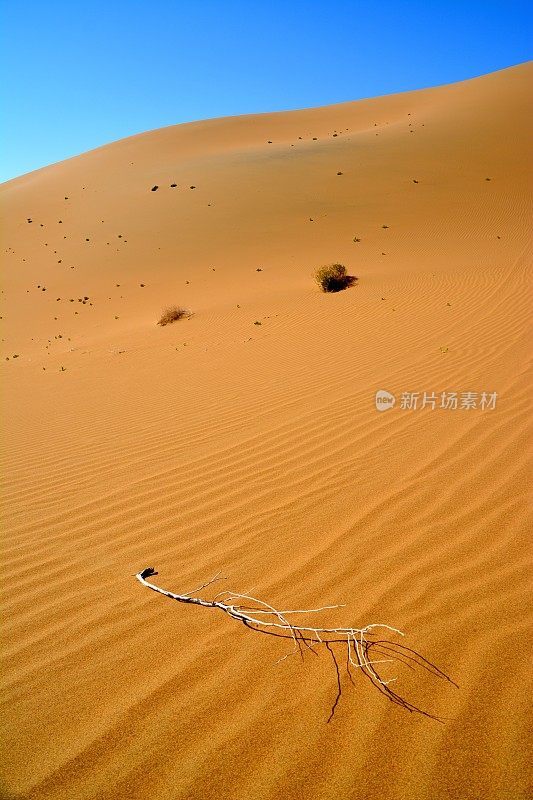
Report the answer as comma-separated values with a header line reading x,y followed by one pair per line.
x,y
217,443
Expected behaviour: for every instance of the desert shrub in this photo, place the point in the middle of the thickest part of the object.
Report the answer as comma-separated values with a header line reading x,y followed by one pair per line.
x,y
171,314
333,277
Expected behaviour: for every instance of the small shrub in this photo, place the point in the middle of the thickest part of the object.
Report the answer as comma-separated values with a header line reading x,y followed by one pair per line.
x,y
333,278
171,314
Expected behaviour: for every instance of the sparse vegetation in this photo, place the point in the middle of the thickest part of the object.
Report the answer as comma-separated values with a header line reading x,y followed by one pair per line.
x,y
333,278
171,314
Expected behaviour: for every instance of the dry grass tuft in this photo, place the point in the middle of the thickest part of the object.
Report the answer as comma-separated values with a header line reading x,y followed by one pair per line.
x,y
171,314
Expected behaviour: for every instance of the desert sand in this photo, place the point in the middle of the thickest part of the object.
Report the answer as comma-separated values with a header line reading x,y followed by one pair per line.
x,y
219,444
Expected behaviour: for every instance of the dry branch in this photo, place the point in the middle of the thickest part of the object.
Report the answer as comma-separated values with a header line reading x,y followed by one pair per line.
x,y
364,650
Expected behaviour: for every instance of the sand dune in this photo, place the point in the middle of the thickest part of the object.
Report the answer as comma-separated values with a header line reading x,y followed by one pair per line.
x,y
216,443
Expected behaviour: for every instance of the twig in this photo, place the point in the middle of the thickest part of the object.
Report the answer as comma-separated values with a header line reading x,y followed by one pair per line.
x,y
359,642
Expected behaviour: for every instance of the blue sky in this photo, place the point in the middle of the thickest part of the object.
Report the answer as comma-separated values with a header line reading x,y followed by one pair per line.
x,y
76,75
